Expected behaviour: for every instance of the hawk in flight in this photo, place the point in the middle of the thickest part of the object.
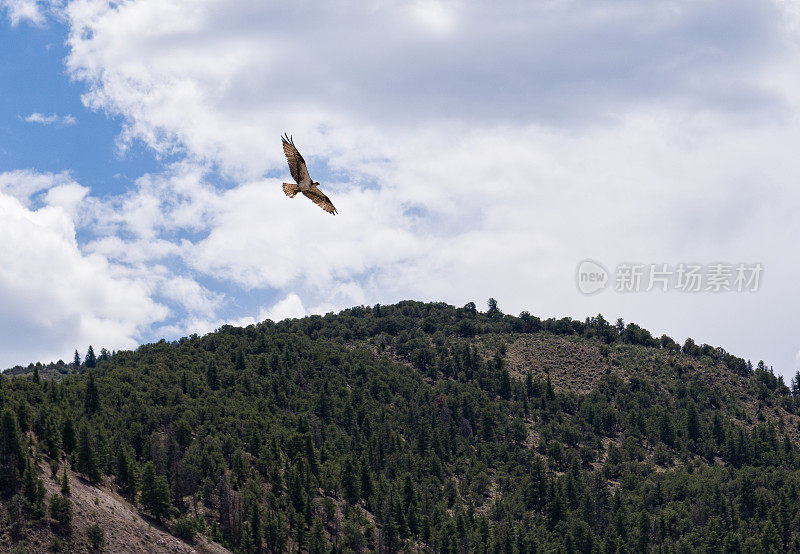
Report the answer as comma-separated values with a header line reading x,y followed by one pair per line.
x,y
297,166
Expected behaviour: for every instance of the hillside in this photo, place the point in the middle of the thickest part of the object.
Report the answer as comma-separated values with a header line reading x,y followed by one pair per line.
x,y
413,426
126,529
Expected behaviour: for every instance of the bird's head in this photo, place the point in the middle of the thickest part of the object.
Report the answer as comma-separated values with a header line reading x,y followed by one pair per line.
x,y
315,183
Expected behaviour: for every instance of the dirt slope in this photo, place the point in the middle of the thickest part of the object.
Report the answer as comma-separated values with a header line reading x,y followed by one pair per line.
x,y
126,529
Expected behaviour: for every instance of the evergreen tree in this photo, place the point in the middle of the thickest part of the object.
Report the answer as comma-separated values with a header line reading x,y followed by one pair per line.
x,y
212,376
505,384
316,542
255,527
68,435
493,312
77,360
95,535
155,492
666,430
12,455
389,532
311,456
34,490
87,458
239,362
366,481
126,474
349,483
549,393
692,423
90,360
644,532
65,488
61,511
92,397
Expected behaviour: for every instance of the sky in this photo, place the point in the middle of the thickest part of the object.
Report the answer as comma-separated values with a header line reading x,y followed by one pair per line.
x,y
473,150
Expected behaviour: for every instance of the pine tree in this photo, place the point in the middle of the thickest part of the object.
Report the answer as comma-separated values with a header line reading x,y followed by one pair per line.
x,y
505,384
36,378
104,355
77,360
68,435
212,376
796,384
34,491
95,535
239,361
87,459
61,510
316,542
126,474
529,384
548,392
366,481
349,483
311,456
692,423
12,454
65,488
155,492
255,527
92,398
666,430
644,532
90,360
493,312
389,532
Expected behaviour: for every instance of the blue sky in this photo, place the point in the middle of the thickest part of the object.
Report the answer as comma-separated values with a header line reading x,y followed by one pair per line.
x,y
472,150
33,79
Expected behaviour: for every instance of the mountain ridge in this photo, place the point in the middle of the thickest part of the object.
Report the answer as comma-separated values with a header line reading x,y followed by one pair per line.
x,y
389,427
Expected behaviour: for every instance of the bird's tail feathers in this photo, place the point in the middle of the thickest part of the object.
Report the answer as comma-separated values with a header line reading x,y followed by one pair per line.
x,y
290,189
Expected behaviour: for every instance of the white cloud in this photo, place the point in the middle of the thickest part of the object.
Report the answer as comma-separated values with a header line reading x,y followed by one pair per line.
x,y
289,307
25,184
51,119
53,297
473,149
67,197
197,300
31,11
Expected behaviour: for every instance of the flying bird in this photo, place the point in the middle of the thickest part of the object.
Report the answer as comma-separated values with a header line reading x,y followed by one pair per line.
x,y
304,184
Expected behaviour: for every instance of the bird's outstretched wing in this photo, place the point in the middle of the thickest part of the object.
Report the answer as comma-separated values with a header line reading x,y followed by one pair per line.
x,y
297,165
320,200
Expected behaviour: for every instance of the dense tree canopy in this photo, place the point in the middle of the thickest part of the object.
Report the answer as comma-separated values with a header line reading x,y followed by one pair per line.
x,y
413,426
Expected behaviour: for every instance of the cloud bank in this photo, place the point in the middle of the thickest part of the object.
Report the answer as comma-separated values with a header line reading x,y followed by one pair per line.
x,y
473,150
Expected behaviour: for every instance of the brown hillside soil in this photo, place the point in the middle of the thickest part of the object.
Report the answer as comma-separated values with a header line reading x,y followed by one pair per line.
x,y
572,365
126,530
577,365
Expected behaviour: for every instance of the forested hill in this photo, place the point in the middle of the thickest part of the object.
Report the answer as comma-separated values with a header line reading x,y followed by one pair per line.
x,y
417,427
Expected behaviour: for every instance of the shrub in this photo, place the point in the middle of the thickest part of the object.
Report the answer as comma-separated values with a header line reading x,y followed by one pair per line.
x,y
95,535
61,510
53,468
185,528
